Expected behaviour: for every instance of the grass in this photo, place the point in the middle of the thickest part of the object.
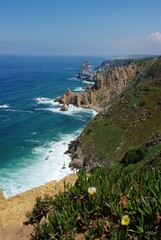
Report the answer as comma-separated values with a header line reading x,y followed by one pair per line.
x,y
130,121
100,215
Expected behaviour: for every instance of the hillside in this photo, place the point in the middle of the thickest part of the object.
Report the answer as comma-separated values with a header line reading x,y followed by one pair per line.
x,y
113,199
131,121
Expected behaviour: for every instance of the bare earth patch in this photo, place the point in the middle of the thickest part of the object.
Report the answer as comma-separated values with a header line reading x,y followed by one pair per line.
x,y
13,210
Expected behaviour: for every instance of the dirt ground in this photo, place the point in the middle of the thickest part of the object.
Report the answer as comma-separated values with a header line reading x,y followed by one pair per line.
x,y
13,210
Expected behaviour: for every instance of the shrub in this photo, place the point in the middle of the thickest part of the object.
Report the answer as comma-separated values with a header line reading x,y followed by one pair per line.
x,y
134,156
123,206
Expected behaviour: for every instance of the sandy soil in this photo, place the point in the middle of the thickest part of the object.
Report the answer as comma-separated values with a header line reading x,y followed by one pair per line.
x,y
13,210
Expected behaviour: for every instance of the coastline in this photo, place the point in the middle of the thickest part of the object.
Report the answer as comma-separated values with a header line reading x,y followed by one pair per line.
x,y
14,208
52,159
53,166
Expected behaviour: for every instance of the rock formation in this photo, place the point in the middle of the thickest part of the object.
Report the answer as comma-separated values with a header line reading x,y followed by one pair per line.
x,y
107,87
64,108
86,72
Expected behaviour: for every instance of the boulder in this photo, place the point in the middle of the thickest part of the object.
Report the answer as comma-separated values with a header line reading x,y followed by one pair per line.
x,y
64,108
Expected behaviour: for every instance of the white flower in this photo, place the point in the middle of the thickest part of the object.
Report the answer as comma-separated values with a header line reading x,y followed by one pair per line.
x,y
92,191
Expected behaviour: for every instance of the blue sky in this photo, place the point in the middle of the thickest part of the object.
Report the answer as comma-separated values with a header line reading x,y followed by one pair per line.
x,y
80,27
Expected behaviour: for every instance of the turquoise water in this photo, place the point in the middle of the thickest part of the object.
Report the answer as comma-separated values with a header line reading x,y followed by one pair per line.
x,y
34,133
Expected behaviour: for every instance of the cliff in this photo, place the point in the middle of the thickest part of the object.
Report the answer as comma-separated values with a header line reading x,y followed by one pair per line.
x,y
130,122
106,88
111,79
88,73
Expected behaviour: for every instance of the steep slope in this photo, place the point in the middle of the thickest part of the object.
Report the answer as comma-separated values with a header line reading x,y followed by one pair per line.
x,y
107,87
131,121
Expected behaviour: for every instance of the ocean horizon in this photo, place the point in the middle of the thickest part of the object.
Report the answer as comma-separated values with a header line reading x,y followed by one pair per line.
x,y
34,133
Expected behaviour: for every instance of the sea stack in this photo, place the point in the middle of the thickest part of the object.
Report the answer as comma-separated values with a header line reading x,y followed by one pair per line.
x,y
86,72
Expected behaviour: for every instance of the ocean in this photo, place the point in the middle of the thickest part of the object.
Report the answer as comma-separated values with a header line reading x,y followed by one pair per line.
x,y
34,133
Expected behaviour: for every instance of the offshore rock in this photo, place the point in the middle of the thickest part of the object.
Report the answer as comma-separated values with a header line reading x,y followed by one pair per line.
x,y
64,108
86,72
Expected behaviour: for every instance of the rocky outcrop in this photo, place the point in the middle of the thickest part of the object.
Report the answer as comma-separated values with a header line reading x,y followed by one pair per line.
x,y
83,99
110,85
64,108
107,87
75,152
86,72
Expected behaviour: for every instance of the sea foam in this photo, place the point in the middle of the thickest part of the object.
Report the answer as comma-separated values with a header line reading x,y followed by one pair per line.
x,y
46,162
49,163
56,107
46,101
79,89
4,106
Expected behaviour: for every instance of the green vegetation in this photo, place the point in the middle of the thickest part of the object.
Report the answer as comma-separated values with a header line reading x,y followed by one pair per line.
x,y
126,125
107,204
146,155
134,156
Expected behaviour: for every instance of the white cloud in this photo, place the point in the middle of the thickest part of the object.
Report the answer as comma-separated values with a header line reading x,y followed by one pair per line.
x,y
156,37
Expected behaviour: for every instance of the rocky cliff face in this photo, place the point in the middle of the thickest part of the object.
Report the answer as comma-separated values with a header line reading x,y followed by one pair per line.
x,y
107,87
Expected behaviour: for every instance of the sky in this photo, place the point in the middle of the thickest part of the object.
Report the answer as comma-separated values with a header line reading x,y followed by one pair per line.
x,y
80,27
